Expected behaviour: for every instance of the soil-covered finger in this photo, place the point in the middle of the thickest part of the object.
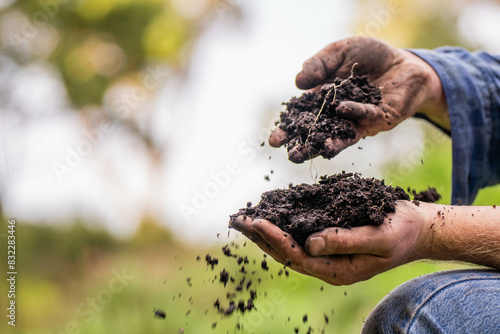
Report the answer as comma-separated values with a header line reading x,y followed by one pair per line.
x,y
285,249
241,223
244,225
374,118
369,239
262,244
335,146
299,153
282,241
313,74
278,137
372,56
359,112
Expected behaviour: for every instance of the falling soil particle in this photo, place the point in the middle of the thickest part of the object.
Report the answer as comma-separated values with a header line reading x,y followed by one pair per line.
x,y
430,195
264,265
158,313
224,277
211,261
226,250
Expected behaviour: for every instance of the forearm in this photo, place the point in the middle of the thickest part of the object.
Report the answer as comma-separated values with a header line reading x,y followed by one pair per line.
x,y
462,233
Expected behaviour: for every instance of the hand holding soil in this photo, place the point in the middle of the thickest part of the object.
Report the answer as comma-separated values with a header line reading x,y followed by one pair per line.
x,y
343,229
406,82
341,256
416,230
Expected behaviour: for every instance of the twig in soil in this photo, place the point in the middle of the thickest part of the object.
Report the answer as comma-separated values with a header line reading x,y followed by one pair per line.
x,y
334,89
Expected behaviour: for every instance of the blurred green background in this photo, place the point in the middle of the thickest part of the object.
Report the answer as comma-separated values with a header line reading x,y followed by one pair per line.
x,y
95,47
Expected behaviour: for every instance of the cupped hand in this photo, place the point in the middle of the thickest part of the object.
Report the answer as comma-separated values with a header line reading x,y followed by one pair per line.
x,y
406,81
341,256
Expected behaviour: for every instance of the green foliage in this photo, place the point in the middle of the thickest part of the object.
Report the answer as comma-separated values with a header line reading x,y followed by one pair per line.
x,y
99,41
436,30
432,167
424,168
61,252
488,196
150,234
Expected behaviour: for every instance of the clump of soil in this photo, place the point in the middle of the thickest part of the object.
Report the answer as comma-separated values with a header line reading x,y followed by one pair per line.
x,y
430,195
306,129
343,200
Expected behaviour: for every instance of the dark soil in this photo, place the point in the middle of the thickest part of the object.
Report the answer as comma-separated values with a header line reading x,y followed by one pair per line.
x,y
343,200
299,119
159,313
430,195
244,283
240,288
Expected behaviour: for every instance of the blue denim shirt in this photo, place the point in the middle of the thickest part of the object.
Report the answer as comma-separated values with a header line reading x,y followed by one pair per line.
x,y
471,83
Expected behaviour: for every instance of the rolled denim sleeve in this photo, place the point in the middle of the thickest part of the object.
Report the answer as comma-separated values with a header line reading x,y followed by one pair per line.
x,y
471,83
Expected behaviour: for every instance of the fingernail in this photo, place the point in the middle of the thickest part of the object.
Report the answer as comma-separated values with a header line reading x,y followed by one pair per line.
x,y
316,245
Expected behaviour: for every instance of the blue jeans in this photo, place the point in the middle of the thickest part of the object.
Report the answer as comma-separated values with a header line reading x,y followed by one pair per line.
x,y
459,301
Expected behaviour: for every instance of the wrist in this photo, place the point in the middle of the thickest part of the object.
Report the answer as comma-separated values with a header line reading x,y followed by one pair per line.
x,y
434,104
427,240
416,239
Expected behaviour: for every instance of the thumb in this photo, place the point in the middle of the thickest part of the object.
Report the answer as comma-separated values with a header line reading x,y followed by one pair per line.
x,y
323,65
313,74
368,239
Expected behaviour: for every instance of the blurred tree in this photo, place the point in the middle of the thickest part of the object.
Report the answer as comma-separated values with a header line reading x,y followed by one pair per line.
x,y
110,55
411,24
95,42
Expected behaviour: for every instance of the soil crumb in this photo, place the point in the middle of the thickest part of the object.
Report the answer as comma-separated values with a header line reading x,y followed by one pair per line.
x,y
160,314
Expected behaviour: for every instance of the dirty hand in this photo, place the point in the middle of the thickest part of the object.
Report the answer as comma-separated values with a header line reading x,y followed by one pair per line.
x,y
345,256
406,81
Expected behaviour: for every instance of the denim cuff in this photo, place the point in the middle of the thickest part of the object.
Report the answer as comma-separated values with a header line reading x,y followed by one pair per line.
x,y
471,83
